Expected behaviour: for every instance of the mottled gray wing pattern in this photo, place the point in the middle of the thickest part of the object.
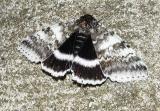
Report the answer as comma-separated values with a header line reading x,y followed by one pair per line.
x,y
40,45
34,49
120,62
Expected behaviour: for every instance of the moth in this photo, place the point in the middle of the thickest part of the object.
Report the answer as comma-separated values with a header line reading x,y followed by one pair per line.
x,y
110,57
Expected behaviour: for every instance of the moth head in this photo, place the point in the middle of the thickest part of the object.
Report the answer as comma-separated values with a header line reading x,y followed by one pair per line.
x,y
88,22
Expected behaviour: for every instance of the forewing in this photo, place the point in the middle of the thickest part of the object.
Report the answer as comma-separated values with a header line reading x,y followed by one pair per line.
x,y
41,44
119,61
35,49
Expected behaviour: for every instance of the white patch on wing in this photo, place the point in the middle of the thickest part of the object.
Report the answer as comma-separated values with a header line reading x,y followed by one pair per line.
x,y
57,29
124,52
85,62
42,35
52,72
112,46
29,54
126,76
61,56
109,41
86,81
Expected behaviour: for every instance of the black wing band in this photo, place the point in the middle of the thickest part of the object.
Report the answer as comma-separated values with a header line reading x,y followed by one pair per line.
x,y
60,61
86,67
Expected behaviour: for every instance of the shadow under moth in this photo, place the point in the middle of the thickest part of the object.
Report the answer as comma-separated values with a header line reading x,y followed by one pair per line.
x,y
88,62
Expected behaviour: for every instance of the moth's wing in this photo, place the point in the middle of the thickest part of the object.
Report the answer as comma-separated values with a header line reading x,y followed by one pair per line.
x,y
58,32
58,63
121,63
86,67
39,46
34,48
